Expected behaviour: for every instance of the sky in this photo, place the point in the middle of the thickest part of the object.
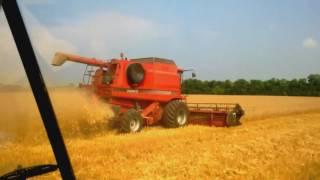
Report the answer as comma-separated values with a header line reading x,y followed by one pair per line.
x,y
220,39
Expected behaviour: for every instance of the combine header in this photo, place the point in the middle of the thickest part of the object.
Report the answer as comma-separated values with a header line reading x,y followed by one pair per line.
x,y
147,91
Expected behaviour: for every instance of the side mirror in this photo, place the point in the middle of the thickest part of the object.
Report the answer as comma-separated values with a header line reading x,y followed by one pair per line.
x,y
193,74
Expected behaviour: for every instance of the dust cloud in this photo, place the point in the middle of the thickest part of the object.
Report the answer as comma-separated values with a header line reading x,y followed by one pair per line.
x,y
79,114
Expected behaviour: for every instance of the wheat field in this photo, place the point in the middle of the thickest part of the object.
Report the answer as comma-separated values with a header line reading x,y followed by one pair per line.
x,y
279,139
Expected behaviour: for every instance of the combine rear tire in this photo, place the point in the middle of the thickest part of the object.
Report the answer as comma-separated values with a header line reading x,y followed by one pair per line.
x,y
175,114
131,121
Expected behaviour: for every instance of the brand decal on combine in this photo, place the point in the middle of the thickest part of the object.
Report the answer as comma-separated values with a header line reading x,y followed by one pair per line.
x,y
147,91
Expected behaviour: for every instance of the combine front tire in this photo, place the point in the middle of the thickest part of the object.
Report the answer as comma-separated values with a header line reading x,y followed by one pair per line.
x,y
131,121
175,114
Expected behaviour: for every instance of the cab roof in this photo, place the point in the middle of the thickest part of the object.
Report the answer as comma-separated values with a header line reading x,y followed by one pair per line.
x,y
153,59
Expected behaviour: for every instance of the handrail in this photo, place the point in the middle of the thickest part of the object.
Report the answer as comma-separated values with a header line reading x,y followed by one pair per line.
x,y
212,106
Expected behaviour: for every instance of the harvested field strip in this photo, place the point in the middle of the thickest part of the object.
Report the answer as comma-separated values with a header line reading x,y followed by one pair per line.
x,y
287,147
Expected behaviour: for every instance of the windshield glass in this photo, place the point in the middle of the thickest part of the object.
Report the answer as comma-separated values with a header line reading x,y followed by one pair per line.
x,y
22,134
251,112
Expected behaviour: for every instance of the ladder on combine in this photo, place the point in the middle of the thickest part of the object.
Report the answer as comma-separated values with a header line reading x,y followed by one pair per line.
x,y
88,72
86,78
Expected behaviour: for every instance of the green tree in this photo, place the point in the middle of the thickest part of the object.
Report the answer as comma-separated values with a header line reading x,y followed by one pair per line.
x,y
309,86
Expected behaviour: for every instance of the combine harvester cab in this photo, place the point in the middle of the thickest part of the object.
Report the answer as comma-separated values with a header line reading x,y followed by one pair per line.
x,y
147,91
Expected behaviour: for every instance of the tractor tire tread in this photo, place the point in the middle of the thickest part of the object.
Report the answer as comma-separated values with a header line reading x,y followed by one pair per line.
x,y
125,121
169,117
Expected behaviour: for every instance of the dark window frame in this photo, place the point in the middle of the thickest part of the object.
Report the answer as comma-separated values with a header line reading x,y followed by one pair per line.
x,y
39,89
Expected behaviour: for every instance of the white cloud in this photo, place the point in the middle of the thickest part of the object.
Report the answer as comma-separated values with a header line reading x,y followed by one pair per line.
x,y
106,34
43,41
35,2
310,43
102,35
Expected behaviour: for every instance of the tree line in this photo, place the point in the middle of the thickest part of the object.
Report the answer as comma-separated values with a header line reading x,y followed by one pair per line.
x,y
309,86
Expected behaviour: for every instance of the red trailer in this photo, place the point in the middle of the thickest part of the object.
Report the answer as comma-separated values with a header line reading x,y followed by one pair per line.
x,y
146,91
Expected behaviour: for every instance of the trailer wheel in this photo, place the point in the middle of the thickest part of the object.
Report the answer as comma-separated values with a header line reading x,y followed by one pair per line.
x,y
176,114
232,119
131,121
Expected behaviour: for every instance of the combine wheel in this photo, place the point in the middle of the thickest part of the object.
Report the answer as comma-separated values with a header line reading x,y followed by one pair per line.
x,y
233,117
175,114
131,121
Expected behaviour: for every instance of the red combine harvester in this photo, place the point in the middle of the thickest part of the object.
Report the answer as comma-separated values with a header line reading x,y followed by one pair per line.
x,y
147,91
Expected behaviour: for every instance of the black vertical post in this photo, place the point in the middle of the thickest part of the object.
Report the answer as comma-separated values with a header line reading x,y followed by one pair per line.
x,y
38,86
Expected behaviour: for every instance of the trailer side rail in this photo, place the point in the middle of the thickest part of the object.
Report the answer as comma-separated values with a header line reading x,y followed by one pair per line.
x,y
212,107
